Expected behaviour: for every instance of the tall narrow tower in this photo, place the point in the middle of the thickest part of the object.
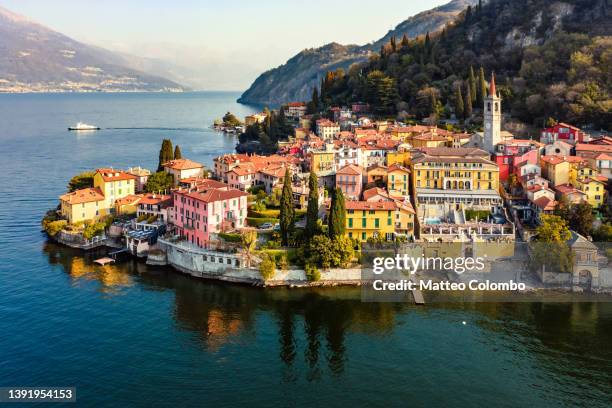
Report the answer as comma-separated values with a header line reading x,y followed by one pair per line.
x,y
492,118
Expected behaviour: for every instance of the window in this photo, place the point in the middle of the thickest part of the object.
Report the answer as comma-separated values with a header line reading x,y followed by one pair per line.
x,y
376,223
350,223
363,236
389,221
364,222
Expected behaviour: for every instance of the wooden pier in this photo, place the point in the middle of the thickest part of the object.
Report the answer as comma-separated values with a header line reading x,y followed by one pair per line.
x,y
104,261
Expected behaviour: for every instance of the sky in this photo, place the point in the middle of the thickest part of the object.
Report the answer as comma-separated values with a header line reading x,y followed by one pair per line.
x,y
223,44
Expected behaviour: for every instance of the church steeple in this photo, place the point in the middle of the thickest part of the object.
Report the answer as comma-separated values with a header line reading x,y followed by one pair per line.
x,y
492,90
492,118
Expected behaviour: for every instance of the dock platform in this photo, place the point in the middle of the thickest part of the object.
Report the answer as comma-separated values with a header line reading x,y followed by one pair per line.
x,y
418,297
104,261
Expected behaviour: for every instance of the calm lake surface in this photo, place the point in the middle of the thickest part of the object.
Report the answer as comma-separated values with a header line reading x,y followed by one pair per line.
x,y
132,335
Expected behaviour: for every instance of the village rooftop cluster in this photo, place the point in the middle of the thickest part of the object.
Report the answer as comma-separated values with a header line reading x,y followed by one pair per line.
x,y
408,182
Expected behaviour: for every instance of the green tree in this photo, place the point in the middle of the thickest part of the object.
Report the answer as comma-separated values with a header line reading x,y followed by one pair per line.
x,y
312,212
267,267
562,209
581,219
82,180
177,153
313,105
472,84
312,273
468,103
550,250
337,215
158,182
459,108
229,119
165,154
482,87
553,229
287,212
248,239
381,92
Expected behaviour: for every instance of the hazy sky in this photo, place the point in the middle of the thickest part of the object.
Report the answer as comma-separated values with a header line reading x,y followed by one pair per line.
x,y
242,38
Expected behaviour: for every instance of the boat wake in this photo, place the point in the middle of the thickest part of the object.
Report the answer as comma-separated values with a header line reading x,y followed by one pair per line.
x,y
181,129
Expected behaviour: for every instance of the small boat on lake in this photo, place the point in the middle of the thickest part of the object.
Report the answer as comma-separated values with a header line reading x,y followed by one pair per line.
x,y
83,126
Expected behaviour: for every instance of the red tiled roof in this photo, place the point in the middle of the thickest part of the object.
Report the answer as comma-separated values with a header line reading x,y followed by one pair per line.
x,y
373,192
182,164
368,205
84,195
586,147
545,203
155,198
115,175
350,169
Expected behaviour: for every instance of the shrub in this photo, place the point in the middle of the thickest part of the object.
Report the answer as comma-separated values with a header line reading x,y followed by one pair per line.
x,y
267,267
283,262
258,207
230,237
312,273
472,215
53,227
92,229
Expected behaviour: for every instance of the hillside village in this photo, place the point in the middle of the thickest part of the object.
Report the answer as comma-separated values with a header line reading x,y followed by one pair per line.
x,y
391,182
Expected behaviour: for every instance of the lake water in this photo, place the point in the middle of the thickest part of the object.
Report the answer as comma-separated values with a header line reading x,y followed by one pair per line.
x,y
132,335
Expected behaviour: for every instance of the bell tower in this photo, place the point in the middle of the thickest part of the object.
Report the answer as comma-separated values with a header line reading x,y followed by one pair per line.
x,y
492,118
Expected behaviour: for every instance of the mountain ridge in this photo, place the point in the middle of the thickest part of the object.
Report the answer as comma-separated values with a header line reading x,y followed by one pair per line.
x,y
295,79
35,58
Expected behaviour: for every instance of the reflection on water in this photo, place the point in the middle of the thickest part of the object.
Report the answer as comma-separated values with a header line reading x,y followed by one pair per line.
x,y
111,277
313,325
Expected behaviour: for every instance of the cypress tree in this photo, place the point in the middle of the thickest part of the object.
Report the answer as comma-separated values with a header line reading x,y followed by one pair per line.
x,y
393,44
458,102
312,213
405,42
472,84
177,153
165,154
482,89
286,209
337,215
468,103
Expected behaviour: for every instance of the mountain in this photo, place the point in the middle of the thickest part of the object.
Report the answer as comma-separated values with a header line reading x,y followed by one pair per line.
x,y
294,80
34,58
551,60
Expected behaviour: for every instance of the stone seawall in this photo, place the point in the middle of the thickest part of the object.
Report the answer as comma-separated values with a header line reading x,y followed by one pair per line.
x,y
229,267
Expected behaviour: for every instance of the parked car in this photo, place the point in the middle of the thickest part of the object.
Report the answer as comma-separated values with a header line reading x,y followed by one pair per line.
x,y
276,227
265,225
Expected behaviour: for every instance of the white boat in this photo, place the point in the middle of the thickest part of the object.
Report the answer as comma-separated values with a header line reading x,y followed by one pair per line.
x,y
83,126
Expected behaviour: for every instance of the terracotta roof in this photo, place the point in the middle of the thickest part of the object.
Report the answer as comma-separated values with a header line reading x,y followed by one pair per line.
x,y
397,167
129,200
296,104
545,203
369,205
151,198
115,175
567,189
84,195
213,194
373,192
586,147
350,169
454,151
182,164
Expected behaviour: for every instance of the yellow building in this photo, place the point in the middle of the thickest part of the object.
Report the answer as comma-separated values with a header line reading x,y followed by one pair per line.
x,y
556,170
82,205
114,184
398,180
401,158
322,161
127,205
455,169
370,220
428,140
592,184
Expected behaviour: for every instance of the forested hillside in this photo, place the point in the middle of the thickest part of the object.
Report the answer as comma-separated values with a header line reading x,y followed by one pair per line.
x,y
551,59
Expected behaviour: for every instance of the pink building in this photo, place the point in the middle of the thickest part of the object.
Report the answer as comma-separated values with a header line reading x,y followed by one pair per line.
x,y
349,179
201,212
